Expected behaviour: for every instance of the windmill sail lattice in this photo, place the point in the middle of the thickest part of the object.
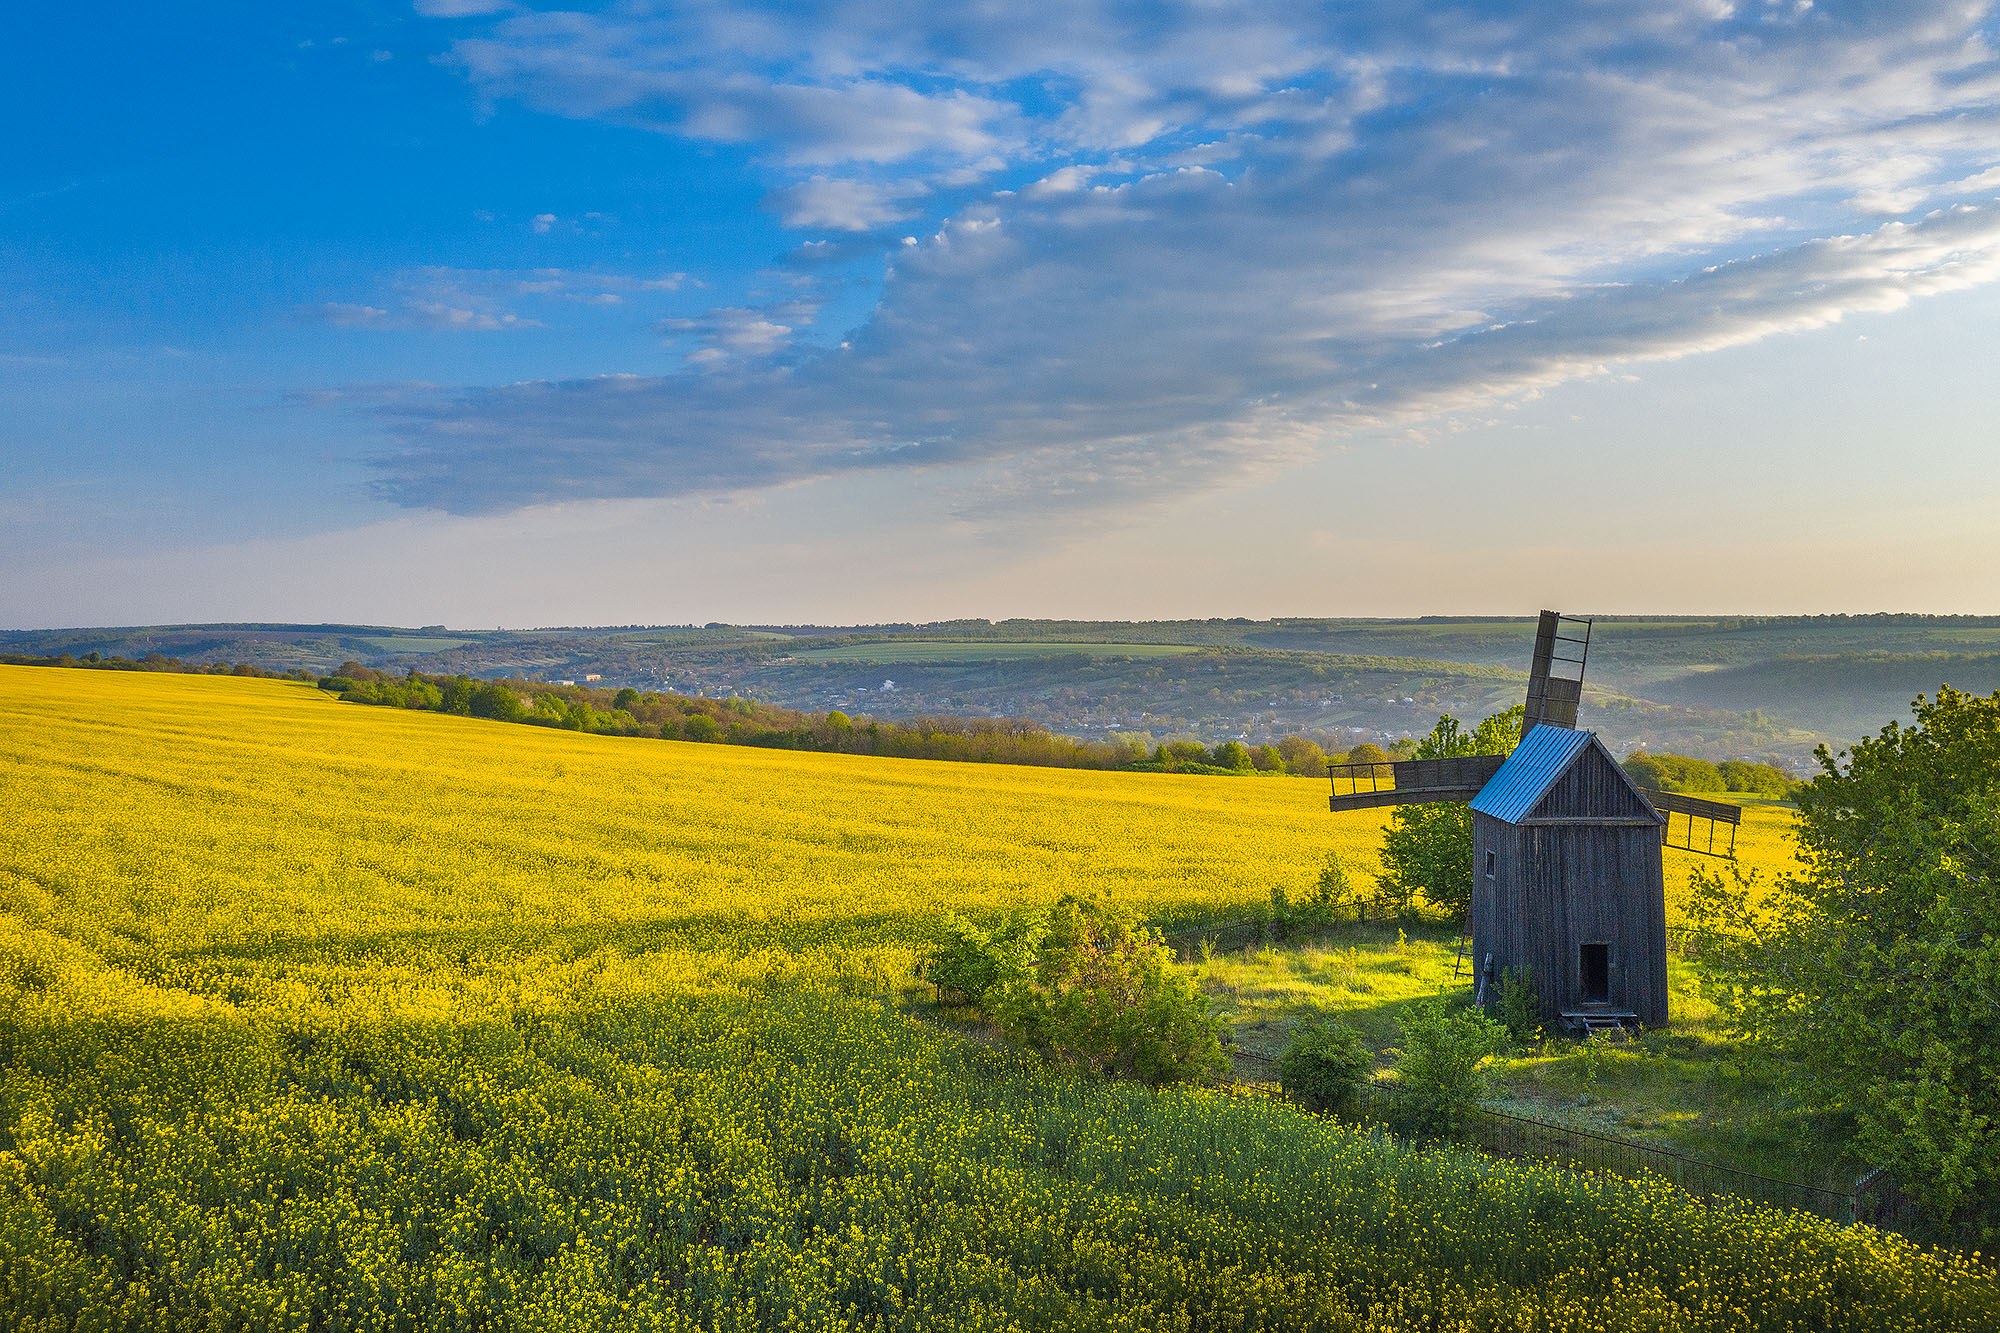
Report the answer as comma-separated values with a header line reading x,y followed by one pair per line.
x,y
1555,678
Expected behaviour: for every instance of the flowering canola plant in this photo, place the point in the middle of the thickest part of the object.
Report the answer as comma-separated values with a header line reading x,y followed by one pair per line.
x,y
314,1016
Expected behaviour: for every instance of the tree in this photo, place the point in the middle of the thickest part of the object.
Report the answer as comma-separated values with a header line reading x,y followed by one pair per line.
x,y
1232,754
1874,972
1368,752
498,702
458,695
1175,755
1334,894
1303,756
1427,849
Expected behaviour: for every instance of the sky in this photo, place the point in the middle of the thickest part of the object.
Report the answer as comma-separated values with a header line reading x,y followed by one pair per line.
x,y
488,314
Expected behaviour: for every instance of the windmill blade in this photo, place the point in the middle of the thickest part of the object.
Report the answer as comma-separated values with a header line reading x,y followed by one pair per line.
x,y
1702,825
1555,675
1411,781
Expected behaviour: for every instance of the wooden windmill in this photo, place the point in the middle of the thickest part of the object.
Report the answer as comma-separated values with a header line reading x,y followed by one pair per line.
x,y
1568,882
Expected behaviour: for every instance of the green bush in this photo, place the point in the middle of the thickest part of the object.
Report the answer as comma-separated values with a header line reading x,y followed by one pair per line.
x,y
1104,992
1439,1079
1323,1065
969,962
1517,1006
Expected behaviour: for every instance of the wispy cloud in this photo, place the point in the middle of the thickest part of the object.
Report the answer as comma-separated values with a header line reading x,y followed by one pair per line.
x,y
1164,248
844,205
734,335
487,300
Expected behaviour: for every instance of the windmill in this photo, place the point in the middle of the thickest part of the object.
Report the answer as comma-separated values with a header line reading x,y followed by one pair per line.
x,y
1569,887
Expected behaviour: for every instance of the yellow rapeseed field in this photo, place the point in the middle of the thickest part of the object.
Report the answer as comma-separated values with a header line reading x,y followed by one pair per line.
x,y
314,1015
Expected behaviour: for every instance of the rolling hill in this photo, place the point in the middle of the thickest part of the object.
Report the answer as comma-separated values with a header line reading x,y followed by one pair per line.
x,y
315,1015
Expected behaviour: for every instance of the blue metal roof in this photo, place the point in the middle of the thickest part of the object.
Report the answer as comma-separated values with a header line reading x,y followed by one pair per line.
x,y
1543,755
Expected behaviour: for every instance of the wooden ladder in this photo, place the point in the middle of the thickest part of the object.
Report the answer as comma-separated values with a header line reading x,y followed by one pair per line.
x,y
1603,1024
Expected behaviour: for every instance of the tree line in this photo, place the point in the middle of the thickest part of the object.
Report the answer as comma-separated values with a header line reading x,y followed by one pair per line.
x,y
153,662
739,721
1684,773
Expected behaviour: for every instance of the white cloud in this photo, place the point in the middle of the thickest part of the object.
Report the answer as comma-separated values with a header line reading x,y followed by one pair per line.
x,y
843,205
731,335
1231,238
439,315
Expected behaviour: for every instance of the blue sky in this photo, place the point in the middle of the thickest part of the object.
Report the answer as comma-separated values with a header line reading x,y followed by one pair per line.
x,y
488,314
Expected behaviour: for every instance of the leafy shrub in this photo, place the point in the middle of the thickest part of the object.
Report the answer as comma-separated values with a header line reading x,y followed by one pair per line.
x,y
1333,897
1517,1006
969,962
1592,1056
1104,991
1323,1065
1438,1070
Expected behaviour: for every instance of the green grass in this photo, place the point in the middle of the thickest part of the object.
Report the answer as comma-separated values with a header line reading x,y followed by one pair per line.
x,y
1686,1089
937,651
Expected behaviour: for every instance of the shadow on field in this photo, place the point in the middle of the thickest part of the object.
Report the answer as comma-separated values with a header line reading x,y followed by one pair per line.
x,y
704,932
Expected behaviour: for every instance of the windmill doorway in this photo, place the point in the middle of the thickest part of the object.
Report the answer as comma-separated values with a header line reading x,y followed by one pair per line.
x,y
1594,972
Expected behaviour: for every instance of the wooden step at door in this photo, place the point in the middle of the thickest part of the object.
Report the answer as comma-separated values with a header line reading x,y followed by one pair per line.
x,y
1592,1023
